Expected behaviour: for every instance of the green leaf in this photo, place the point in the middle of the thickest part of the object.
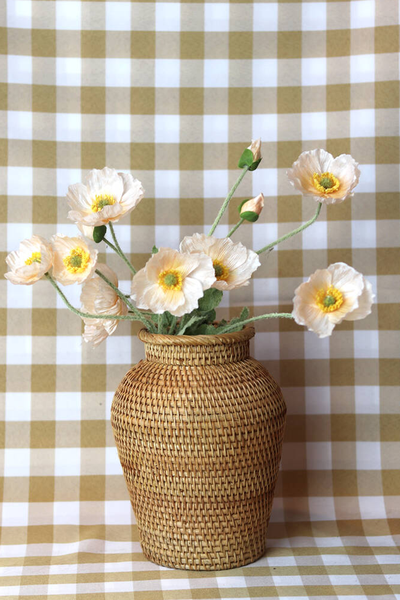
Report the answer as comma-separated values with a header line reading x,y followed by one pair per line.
x,y
212,297
255,165
246,160
249,215
244,314
99,233
154,250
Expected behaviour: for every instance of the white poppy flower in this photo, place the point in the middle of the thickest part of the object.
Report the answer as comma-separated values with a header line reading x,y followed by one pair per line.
x,y
330,296
105,196
98,298
233,263
172,282
328,180
30,262
74,261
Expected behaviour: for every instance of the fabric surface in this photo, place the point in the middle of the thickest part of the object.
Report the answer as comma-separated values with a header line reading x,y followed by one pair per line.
x,y
173,92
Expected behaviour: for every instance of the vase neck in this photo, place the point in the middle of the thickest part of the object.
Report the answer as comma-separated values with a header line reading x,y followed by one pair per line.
x,y
197,355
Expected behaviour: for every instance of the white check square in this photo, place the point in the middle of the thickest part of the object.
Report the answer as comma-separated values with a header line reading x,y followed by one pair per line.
x,y
167,236
313,16
19,181
167,129
19,349
167,72
362,14
69,127
68,71
216,16
68,14
118,16
119,350
19,69
215,129
19,296
118,129
18,406
168,16
166,184
265,72
216,73
19,125
68,406
362,68
67,462
14,514
215,183
118,72
265,126
19,14
17,462
368,456
265,16
362,123
313,126
313,71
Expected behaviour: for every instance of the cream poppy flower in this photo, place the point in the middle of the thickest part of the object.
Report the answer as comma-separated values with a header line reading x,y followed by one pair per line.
x,y
98,298
255,147
105,196
30,262
172,282
330,296
328,180
233,263
74,261
86,230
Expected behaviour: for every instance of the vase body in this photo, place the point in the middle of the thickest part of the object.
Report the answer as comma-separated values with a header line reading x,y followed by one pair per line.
x,y
199,427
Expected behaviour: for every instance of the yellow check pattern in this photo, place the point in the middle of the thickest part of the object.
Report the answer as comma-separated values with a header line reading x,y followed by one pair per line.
x,y
173,92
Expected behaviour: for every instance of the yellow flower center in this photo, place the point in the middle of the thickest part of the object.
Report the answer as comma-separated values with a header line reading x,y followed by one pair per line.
x,y
329,300
77,261
35,257
170,279
220,270
326,183
101,201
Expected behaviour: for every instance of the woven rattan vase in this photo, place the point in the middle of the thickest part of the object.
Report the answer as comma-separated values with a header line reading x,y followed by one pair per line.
x,y
199,425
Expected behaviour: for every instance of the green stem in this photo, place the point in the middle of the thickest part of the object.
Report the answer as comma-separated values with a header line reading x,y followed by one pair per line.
x,y
227,199
171,329
228,327
82,314
118,249
292,233
133,308
161,321
238,224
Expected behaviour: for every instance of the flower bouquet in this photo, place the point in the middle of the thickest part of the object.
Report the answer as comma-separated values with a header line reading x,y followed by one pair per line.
x,y
198,424
178,291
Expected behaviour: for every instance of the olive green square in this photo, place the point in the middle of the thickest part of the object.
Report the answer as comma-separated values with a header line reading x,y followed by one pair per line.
x,y
39,534
338,42
44,154
3,96
192,45
142,157
386,39
3,40
287,153
290,263
240,101
289,100
387,261
43,434
387,205
338,97
240,45
93,44
191,101
92,488
93,434
338,146
345,483
342,371
191,157
43,378
143,44
191,211
387,94
93,100
389,317
44,98
143,101
3,321
390,481
44,209
289,209
44,321
387,150
289,44
41,489
44,42
93,155
93,378
389,371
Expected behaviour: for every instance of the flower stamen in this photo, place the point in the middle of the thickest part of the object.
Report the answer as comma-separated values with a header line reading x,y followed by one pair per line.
x,y
77,261
325,182
329,300
35,257
102,200
220,270
170,279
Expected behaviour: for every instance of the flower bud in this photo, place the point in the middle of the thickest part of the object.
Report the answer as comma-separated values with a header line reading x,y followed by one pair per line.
x,y
255,148
251,209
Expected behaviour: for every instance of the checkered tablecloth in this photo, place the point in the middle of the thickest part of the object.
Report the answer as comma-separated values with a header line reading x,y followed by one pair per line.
x,y
173,92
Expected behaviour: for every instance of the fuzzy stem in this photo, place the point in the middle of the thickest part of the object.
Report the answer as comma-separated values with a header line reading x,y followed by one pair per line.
x,y
294,232
227,199
161,322
118,249
238,224
133,308
227,328
171,329
86,315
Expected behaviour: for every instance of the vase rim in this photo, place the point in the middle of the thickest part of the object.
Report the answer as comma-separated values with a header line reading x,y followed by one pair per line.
x,y
197,340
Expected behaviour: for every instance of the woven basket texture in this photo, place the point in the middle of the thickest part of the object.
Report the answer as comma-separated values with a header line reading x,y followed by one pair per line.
x,y
199,427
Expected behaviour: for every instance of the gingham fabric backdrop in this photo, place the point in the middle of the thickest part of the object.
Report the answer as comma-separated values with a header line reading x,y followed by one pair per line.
x,y
173,92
